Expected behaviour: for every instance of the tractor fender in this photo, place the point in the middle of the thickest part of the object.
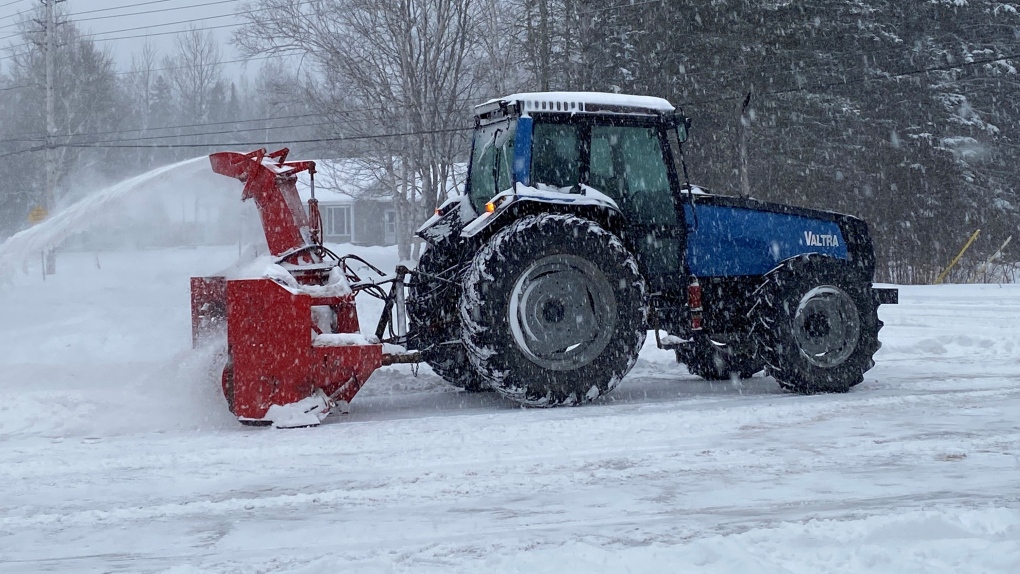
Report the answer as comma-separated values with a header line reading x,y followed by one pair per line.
x,y
511,205
880,295
448,220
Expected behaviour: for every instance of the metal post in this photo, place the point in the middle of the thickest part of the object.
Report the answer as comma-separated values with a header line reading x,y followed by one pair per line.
x,y
401,308
942,275
745,127
988,262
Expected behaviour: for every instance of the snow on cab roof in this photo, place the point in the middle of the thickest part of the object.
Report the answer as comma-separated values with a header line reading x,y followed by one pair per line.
x,y
580,102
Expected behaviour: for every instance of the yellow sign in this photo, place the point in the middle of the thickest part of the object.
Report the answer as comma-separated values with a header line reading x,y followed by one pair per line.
x,y
37,214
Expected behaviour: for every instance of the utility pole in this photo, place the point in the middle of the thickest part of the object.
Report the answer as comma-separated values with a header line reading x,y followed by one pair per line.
x,y
742,132
584,76
545,54
51,120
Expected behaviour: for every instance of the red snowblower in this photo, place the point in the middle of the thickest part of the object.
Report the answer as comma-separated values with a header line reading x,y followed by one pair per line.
x,y
294,346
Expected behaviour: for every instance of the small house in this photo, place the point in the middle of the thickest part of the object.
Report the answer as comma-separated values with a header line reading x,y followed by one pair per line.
x,y
355,206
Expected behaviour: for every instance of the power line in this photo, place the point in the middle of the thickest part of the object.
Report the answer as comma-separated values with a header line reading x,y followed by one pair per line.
x,y
135,5
172,136
243,144
21,151
292,117
874,78
127,6
12,3
239,60
217,133
347,112
815,87
169,136
109,16
357,110
73,17
170,32
774,93
137,35
279,142
190,21
204,18
620,6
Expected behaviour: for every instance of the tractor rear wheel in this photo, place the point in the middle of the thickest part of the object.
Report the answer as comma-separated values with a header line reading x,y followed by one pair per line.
x,y
719,363
553,311
818,325
435,321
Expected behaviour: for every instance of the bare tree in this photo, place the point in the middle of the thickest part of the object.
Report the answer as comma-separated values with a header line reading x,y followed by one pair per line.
x,y
194,71
399,76
86,99
141,93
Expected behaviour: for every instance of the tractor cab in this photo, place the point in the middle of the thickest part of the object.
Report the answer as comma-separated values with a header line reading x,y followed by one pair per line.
x,y
621,153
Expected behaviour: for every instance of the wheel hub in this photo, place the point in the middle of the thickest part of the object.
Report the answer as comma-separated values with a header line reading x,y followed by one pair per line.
x,y
553,311
827,326
562,312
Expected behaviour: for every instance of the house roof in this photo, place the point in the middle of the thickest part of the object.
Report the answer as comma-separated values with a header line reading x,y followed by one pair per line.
x,y
339,181
342,181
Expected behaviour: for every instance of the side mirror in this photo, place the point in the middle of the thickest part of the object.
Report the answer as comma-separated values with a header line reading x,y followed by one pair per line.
x,y
683,127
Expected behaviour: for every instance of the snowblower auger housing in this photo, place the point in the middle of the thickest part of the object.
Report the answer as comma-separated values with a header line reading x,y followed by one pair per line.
x,y
294,346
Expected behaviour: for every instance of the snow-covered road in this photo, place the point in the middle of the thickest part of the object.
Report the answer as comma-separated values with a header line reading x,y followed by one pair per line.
x,y
117,453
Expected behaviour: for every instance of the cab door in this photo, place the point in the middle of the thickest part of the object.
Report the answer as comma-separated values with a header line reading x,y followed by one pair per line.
x,y
629,164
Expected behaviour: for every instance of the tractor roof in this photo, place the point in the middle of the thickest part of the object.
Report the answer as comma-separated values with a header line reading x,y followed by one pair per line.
x,y
578,102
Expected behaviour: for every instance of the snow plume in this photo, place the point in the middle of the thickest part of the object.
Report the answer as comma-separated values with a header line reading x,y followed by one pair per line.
x,y
85,213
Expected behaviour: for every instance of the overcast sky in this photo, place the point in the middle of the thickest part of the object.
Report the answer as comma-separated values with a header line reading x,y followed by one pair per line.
x,y
112,22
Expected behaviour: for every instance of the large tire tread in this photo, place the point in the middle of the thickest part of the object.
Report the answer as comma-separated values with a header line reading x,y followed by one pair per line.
x,y
775,300
484,310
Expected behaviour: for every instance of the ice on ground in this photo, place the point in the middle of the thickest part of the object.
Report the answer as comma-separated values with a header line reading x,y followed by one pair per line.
x,y
118,453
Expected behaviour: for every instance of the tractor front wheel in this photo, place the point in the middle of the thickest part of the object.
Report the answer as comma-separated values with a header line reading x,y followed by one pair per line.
x,y
818,325
553,311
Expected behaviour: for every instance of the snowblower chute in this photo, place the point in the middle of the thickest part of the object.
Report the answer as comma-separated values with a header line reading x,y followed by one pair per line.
x,y
294,346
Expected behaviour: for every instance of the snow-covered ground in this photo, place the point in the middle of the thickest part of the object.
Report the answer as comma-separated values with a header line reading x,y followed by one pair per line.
x,y
117,453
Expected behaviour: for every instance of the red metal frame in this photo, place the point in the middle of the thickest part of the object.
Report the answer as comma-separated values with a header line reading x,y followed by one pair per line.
x,y
273,355
273,186
275,361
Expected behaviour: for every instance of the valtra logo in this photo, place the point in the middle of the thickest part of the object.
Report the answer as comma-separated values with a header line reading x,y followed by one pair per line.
x,y
816,240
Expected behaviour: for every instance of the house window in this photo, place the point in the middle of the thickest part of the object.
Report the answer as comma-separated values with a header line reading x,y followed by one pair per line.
x,y
337,223
390,227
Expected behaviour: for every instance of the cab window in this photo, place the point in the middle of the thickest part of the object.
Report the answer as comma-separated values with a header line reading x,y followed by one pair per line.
x,y
555,156
627,164
491,163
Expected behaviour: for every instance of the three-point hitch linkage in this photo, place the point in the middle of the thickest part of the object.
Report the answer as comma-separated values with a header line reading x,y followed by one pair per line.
x,y
294,346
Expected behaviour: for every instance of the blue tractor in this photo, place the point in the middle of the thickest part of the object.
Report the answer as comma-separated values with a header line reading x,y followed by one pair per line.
x,y
579,233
